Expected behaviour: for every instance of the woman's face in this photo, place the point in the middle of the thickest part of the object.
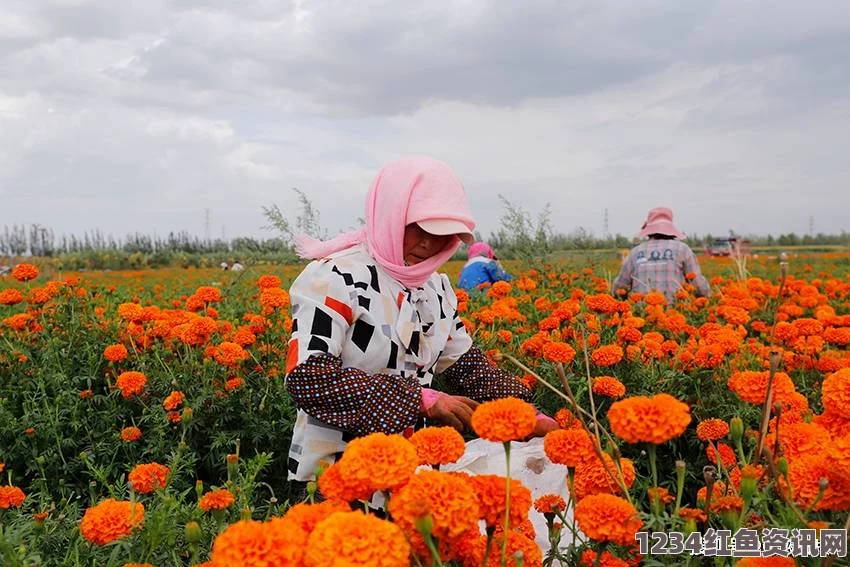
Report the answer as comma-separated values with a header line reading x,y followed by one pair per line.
x,y
420,245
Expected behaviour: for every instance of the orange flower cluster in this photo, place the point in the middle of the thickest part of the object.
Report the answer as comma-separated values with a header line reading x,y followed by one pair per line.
x,y
230,354
449,500
712,430
569,447
248,542
131,383
372,463
111,520
173,400
655,419
148,477
11,497
608,518
220,499
356,539
438,445
115,353
507,419
607,355
609,387
25,272
558,352
131,434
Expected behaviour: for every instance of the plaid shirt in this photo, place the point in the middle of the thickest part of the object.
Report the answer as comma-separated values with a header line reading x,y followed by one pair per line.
x,y
660,265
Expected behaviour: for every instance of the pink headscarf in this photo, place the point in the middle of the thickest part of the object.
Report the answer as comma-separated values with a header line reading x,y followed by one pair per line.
x,y
409,190
480,249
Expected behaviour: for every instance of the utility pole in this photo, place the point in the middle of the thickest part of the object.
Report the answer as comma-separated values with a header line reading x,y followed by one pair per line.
x,y
811,226
207,225
605,225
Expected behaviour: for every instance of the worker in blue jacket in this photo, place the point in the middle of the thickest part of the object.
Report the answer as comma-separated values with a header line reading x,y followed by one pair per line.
x,y
481,267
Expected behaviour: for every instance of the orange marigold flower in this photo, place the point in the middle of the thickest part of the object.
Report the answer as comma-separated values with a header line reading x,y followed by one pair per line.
x,y
131,312
356,539
751,386
111,520
558,352
567,420
607,355
11,296
232,383
115,353
603,477
609,387
602,303
131,383
378,462
517,543
208,294
438,445
797,439
490,489
276,542
148,477
835,393
307,516
504,335
131,434
267,281
448,498
86,394
694,514
550,504
712,430
334,486
17,322
272,298
727,503
653,420
11,497
230,354
220,499
39,517
659,494
569,447
727,454
25,272
655,298
173,400
605,517
506,419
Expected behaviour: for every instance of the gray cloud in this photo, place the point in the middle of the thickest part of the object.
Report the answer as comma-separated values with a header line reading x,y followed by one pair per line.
x,y
139,116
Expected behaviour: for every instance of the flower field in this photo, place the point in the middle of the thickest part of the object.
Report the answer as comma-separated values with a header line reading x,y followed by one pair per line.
x,y
144,421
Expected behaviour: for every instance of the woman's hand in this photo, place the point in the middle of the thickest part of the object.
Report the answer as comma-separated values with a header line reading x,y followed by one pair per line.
x,y
544,425
454,411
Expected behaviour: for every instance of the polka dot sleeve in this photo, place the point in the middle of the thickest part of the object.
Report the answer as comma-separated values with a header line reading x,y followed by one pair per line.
x,y
474,377
353,400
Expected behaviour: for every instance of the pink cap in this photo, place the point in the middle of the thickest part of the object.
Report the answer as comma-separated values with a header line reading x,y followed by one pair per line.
x,y
480,249
660,221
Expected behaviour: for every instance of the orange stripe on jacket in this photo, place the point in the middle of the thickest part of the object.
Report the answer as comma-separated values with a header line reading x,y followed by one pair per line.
x,y
340,308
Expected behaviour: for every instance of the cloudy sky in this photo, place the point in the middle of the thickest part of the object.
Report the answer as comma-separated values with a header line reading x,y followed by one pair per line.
x,y
139,115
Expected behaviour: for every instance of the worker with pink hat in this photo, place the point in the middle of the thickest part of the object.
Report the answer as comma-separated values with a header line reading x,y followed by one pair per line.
x,y
662,262
481,268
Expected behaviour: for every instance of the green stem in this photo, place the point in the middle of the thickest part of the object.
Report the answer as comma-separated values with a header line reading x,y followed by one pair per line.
x,y
504,558
652,465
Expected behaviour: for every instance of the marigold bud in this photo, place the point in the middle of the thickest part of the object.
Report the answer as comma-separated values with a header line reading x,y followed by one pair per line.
x,y
193,531
736,429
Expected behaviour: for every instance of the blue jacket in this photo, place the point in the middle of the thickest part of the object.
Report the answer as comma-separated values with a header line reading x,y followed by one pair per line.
x,y
479,270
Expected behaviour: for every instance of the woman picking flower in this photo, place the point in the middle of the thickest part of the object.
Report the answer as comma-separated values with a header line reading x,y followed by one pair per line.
x,y
373,322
